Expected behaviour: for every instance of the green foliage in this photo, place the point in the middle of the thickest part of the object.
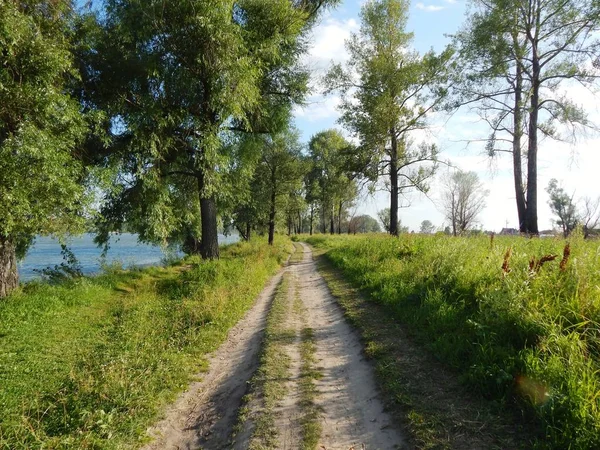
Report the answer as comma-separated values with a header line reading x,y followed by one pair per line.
x,y
427,227
330,182
519,330
363,224
41,179
562,206
90,362
463,200
179,111
384,216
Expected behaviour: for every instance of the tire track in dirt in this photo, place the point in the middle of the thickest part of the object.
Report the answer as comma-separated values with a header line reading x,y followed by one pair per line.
x,y
351,414
205,414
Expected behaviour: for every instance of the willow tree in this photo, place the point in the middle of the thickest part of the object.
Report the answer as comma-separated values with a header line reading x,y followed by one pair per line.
x,y
388,90
41,189
189,76
524,57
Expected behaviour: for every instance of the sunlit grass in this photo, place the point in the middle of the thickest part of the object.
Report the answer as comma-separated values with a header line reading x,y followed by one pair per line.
x,y
89,363
527,334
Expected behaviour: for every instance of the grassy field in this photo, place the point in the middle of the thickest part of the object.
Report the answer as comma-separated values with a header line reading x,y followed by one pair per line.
x,y
518,318
89,363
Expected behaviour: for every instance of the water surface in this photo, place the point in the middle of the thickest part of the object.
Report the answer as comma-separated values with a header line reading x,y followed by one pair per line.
x,y
124,248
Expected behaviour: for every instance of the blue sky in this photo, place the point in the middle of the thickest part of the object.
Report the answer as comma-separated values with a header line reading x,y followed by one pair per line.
x,y
430,21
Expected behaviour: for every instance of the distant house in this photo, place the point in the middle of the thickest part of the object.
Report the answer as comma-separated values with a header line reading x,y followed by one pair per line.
x,y
509,231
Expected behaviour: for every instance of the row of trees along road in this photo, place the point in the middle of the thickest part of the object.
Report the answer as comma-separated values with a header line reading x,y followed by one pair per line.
x,y
146,108
163,118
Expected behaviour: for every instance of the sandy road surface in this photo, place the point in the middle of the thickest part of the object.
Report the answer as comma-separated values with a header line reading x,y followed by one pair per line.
x,y
351,413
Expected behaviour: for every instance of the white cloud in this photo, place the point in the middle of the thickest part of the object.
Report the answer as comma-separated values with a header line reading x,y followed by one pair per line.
x,y
429,8
328,40
318,108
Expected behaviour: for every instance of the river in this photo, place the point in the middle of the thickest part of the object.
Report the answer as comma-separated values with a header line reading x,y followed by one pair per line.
x,y
124,249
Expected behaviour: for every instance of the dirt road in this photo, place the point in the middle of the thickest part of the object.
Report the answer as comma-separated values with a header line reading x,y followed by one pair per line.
x,y
303,383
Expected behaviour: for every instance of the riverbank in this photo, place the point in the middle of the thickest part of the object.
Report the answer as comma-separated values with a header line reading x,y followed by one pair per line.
x,y
89,363
125,250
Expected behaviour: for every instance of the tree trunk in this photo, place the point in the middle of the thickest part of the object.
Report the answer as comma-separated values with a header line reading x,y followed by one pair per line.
x,y
312,212
531,217
248,230
272,213
299,223
393,184
209,245
517,163
9,277
340,217
332,221
209,242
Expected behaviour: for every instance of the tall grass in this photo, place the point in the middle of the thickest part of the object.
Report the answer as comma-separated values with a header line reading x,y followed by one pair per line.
x,y
89,363
520,325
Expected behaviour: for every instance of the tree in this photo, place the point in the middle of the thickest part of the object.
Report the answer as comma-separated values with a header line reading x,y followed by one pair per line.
x,y
384,216
531,48
329,182
427,227
563,207
590,215
279,173
387,92
363,224
463,199
190,78
42,177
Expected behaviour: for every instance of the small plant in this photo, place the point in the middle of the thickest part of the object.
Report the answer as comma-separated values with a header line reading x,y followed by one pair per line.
x,y
565,258
70,268
506,263
536,264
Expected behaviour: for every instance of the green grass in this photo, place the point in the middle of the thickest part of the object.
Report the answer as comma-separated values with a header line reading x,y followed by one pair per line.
x,y
90,363
298,253
311,414
268,384
529,338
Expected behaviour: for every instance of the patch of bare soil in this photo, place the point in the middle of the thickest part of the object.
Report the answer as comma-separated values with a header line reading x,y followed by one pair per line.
x,y
353,413
204,415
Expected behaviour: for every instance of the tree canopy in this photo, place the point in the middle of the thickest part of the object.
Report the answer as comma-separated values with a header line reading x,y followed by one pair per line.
x,y
41,174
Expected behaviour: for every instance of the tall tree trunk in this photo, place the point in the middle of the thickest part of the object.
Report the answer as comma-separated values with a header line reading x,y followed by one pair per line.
x,y
531,214
332,221
299,223
209,243
393,183
9,277
312,213
248,230
272,209
341,205
517,157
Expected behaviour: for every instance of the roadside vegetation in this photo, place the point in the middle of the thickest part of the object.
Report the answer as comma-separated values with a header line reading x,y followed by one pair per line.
x,y
88,363
518,318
